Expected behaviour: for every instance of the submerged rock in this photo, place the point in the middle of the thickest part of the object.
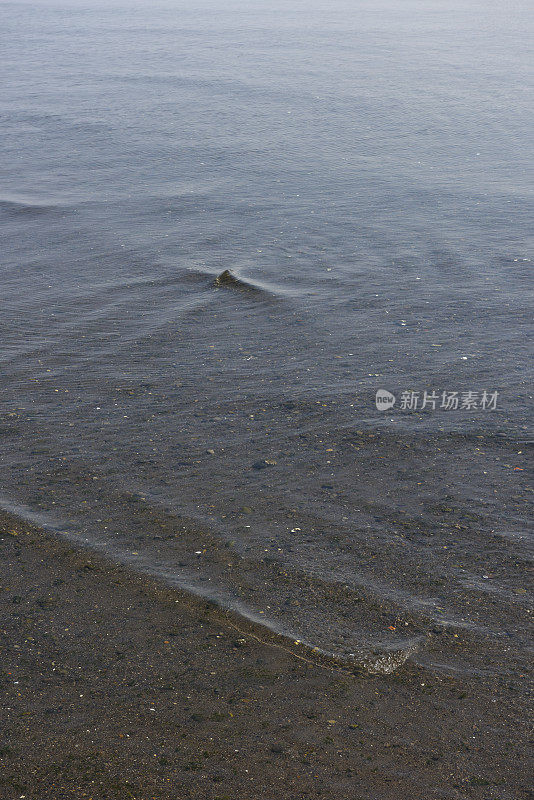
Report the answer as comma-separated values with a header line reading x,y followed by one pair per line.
x,y
264,463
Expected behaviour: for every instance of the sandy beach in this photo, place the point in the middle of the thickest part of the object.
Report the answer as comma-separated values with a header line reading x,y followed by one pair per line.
x,y
116,687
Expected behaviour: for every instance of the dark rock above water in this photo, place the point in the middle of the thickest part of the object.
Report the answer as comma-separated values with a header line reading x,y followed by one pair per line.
x,y
227,279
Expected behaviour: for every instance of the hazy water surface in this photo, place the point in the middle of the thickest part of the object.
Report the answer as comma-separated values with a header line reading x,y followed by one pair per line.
x,y
363,167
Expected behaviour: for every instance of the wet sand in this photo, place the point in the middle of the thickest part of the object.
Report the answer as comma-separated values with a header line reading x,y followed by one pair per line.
x,y
116,687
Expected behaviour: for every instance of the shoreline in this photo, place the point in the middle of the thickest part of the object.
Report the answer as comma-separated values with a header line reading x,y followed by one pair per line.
x,y
116,686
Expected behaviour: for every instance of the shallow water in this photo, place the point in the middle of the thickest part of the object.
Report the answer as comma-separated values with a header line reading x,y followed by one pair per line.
x,y
362,168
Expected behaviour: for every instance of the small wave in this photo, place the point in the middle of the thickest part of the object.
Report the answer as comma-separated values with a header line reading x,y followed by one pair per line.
x,y
382,660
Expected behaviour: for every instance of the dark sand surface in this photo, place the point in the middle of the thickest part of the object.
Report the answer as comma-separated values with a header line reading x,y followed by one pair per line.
x,y
116,687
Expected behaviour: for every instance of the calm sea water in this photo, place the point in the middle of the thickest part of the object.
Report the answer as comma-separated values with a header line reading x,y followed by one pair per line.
x,y
363,168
